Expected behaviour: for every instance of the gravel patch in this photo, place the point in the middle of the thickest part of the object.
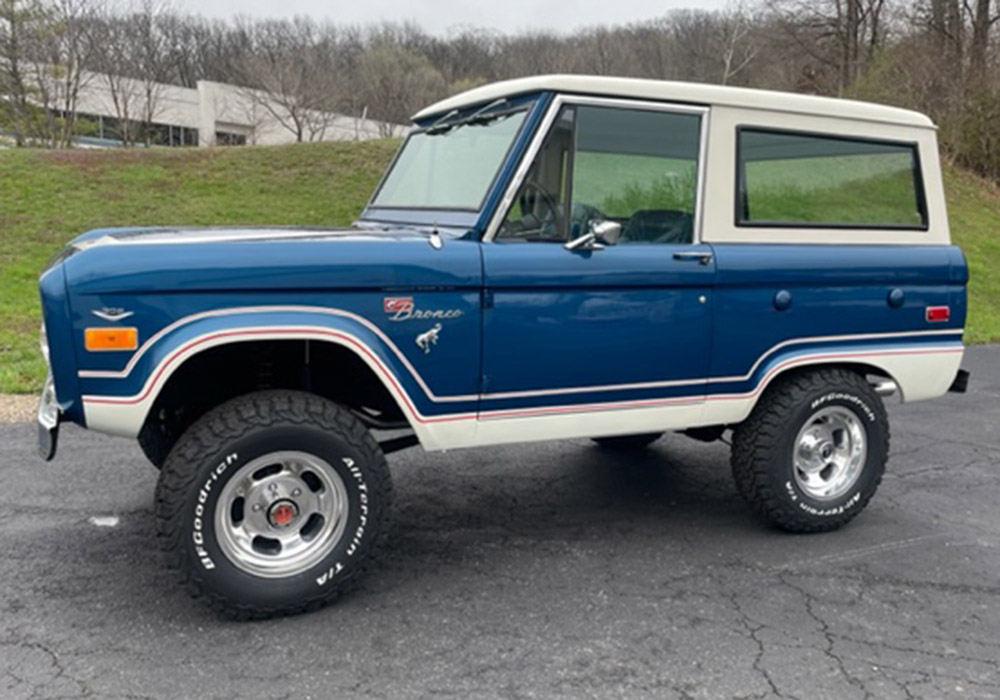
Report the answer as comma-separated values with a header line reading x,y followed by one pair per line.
x,y
17,408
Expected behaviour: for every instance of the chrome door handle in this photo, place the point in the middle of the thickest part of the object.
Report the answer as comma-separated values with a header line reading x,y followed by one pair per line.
x,y
704,257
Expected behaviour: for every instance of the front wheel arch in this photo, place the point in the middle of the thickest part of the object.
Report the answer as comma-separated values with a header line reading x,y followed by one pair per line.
x,y
321,367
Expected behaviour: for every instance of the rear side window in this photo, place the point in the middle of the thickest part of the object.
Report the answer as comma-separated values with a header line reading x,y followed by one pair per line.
x,y
812,180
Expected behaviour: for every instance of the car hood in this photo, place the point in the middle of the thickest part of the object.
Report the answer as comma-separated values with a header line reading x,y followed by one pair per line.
x,y
206,259
184,235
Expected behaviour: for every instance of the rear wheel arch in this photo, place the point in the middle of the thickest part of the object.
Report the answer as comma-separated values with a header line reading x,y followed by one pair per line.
x,y
217,374
864,369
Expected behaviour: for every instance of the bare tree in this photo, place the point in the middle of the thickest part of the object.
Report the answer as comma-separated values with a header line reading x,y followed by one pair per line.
x,y
151,56
842,34
738,44
395,82
62,49
16,25
112,60
292,76
983,20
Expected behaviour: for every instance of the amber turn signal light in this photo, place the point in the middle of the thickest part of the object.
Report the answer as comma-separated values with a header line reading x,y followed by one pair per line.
x,y
111,339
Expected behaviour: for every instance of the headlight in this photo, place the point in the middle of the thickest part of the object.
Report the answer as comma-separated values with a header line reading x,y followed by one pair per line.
x,y
43,343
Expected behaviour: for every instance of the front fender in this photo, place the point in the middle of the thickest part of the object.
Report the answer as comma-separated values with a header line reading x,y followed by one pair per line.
x,y
118,401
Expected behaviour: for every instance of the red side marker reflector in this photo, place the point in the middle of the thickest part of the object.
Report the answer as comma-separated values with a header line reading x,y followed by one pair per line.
x,y
937,313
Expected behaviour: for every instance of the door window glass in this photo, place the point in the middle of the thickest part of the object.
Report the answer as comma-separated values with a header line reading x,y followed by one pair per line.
x,y
638,168
635,167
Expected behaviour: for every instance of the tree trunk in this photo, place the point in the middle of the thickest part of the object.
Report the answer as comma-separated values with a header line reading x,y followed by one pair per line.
x,y
978,47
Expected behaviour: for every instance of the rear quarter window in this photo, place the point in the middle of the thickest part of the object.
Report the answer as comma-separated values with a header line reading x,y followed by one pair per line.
x,y
823,181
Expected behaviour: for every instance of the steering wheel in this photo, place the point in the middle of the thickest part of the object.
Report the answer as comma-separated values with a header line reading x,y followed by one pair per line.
x,y
538,209
532,194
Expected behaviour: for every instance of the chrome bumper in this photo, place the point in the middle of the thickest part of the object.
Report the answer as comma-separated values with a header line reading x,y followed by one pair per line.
x,y
48,420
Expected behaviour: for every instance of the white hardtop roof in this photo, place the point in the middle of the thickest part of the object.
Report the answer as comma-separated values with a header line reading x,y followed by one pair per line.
x,y
673,91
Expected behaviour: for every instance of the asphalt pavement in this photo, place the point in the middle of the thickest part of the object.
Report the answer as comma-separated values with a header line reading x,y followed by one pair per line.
x,y
535,571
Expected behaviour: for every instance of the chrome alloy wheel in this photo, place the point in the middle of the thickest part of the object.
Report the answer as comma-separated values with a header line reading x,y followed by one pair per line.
x,y
281,513
830,453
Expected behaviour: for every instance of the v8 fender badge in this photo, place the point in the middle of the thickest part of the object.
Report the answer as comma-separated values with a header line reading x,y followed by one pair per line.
x,y
403,309
111,314
428,338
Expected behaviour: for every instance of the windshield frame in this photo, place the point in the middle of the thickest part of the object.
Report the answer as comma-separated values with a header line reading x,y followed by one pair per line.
x,y
508,106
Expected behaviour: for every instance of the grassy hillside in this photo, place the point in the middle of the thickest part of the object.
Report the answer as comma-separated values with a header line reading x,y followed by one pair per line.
x,y
49,197
974,215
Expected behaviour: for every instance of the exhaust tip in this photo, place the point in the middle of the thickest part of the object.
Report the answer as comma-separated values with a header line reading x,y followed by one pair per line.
x,y
885,387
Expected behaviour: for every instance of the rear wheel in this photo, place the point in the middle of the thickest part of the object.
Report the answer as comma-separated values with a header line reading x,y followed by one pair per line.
x,y
626,443
273,503
812,453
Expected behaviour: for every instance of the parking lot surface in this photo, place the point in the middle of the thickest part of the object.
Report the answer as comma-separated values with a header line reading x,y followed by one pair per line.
x,y
536,571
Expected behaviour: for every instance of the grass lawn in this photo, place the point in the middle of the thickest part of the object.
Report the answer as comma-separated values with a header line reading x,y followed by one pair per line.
x,y
48,197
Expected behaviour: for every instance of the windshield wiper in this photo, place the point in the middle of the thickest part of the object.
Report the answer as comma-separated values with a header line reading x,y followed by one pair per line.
x,y
436,129
477,118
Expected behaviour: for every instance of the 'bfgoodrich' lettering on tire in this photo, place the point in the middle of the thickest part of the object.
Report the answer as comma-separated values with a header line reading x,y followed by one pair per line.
x,y
852,398
197,533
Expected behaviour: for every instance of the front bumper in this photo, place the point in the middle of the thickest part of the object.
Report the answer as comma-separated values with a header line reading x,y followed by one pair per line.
x,y
48,420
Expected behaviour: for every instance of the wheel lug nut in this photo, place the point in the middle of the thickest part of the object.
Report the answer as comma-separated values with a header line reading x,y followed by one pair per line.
x,y
297,492
256,507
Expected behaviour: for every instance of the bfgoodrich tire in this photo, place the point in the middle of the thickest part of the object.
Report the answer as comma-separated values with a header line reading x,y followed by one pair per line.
x,y
272,504
812,453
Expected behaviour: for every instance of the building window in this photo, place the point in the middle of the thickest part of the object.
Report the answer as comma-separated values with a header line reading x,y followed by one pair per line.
x,y
821,181
226,138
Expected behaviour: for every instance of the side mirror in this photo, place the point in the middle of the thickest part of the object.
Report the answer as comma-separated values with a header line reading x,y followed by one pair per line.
x,y
601,233
607,232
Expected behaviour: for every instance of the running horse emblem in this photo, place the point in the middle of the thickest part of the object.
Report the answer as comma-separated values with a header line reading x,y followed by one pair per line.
x,y
425,340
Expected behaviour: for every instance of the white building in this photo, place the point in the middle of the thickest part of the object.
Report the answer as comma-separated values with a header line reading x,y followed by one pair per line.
x,y
210,114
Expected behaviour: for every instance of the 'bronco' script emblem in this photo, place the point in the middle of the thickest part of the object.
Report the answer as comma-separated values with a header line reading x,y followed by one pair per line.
x,y
403,309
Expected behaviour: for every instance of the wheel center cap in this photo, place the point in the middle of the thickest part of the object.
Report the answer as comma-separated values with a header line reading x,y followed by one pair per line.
x,y
282,513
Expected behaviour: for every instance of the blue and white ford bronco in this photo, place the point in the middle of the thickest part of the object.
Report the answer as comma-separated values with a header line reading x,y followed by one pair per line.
x,y
550,257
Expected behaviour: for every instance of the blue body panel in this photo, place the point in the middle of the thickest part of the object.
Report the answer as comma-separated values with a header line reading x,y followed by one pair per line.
x,y
620,315
537,325
61,334
290,283
835,290
342,262
451,370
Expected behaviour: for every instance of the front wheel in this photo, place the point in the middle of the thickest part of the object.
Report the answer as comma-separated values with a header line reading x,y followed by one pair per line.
x,y
273,503
812,453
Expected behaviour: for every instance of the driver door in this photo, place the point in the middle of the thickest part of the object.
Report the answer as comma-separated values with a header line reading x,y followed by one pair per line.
x,y
588,332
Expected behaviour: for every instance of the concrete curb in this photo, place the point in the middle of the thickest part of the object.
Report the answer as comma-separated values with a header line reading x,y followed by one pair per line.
x,y
17,408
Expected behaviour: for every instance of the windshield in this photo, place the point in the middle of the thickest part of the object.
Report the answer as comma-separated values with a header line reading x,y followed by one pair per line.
x,y
450,166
